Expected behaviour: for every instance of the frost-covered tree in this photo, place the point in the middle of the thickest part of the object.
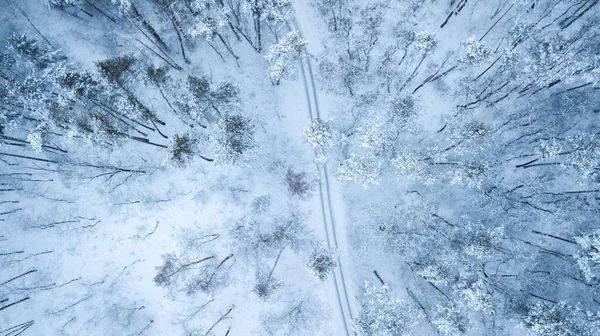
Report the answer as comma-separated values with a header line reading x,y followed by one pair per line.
x,y
210,29
55,99
560,319
379,140
30,49
476,52
584,154
411,165
270,13
269,236
480,240
266,284
439,274
336,13
321,134
450,320
122,5
402,111
321,262
299,317
61,3
284,57
381,314
365,171
476,296
197,269
588,256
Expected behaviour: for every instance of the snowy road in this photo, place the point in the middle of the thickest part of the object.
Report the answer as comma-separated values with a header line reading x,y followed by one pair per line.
x,y
328,208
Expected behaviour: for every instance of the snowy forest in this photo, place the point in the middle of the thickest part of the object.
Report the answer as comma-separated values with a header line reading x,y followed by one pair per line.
x,y
300,167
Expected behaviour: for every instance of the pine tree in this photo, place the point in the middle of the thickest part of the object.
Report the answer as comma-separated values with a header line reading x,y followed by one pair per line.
x,y
182,150
235,137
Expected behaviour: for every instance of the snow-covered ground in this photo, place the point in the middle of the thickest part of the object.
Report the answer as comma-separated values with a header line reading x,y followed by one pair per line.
x,y
158,176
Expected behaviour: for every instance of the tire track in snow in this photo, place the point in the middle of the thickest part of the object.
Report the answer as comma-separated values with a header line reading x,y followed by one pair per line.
x,y
332,242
